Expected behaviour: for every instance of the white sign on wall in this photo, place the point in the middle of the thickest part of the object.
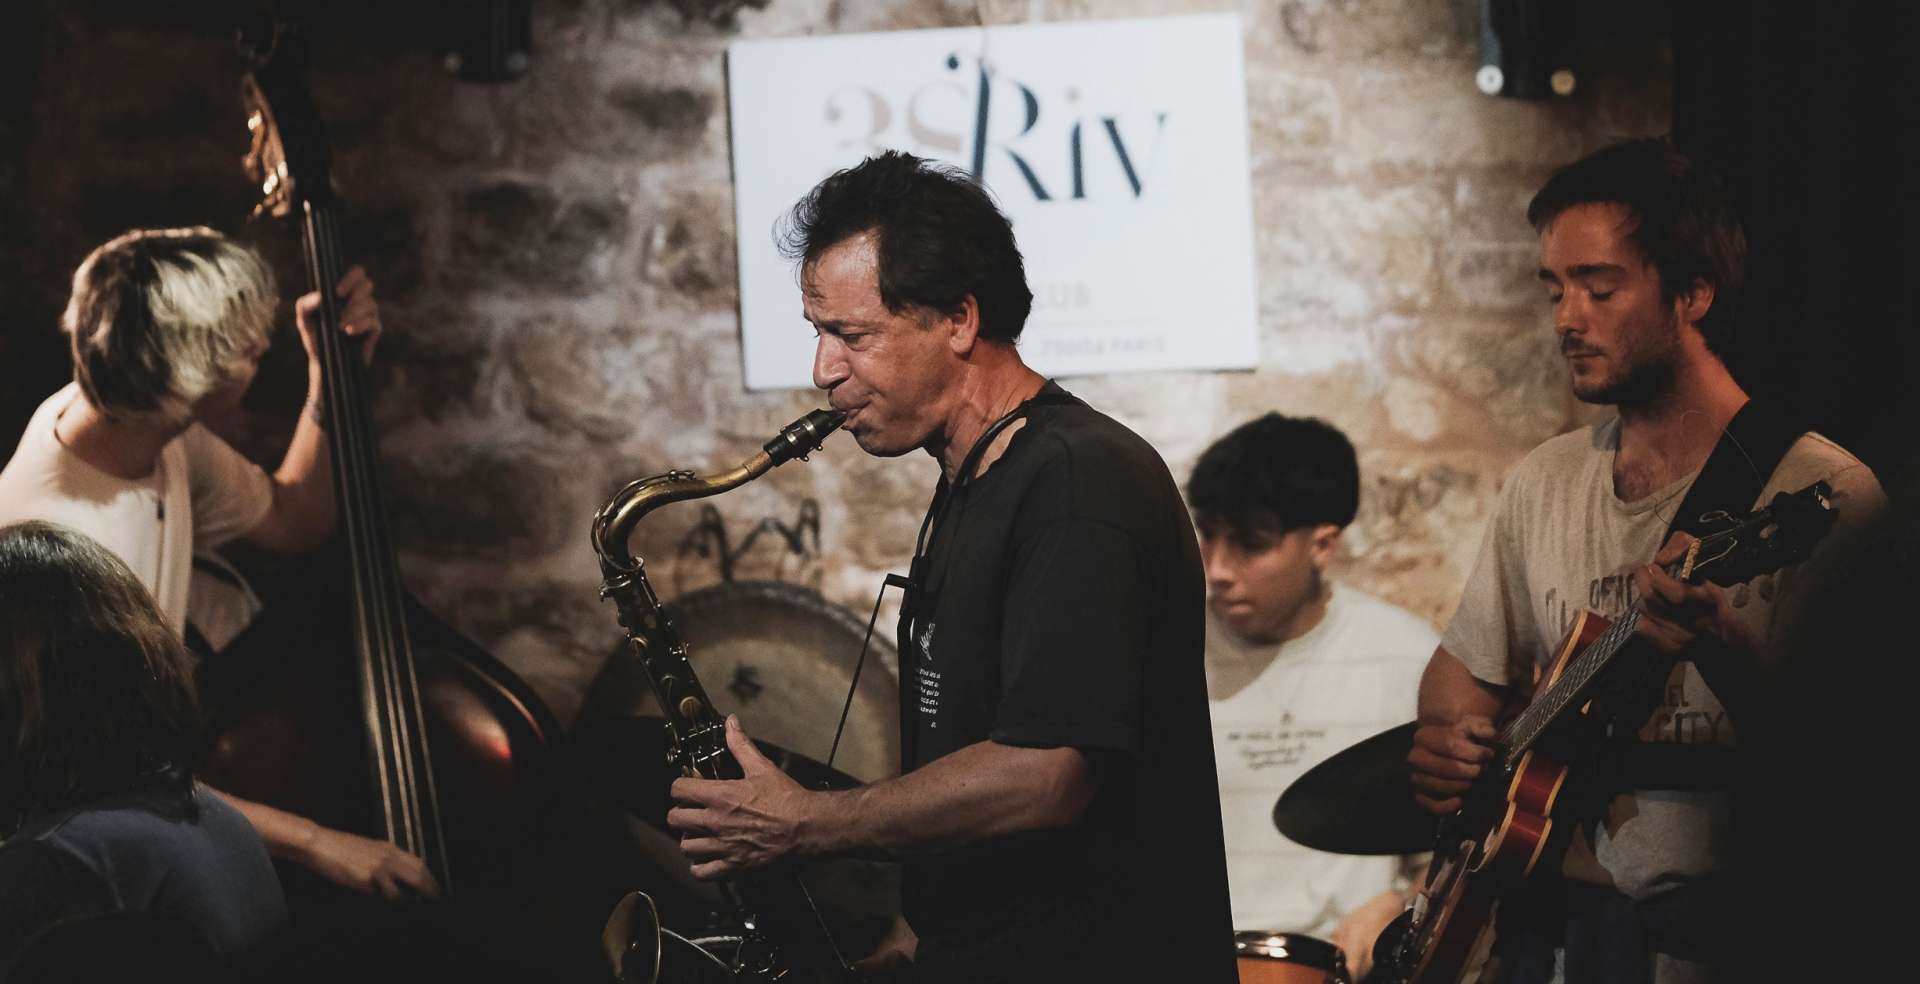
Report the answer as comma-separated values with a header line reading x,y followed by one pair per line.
x,y
1117,148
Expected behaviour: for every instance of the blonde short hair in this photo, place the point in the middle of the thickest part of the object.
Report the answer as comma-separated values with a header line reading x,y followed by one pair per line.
x,y
159,318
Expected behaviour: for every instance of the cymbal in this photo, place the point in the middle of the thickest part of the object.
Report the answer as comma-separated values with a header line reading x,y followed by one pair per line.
x,y
1359,801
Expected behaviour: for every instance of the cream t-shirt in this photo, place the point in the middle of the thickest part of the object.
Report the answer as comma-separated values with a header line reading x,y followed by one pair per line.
x,y
1353,675
202,493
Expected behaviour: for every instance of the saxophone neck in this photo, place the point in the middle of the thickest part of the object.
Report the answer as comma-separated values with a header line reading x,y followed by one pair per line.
x,y
613,525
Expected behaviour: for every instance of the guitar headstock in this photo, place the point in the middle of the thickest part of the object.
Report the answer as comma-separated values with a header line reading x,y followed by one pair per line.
x,y
289,158
1767,540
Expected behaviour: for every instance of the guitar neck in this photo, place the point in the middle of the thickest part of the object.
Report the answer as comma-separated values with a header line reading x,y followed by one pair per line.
x,y
1574,684
1569,690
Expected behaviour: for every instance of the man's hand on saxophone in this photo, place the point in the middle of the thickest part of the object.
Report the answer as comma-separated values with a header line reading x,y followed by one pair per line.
x,y
732,825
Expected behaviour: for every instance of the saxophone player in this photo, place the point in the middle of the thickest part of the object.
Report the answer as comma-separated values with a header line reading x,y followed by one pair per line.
x,y
1057,815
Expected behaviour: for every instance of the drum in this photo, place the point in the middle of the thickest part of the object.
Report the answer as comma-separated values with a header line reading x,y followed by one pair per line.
x,y
780,656
1288,958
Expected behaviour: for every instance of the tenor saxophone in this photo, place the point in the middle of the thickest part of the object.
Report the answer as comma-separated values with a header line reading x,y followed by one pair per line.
x,y
783,934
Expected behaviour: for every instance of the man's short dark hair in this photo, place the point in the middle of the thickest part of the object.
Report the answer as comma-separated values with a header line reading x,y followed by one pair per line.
x,y
1276,474
1683,223
939,238
96,692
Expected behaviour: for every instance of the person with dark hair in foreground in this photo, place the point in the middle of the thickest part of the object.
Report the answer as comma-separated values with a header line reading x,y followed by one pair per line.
x,y
1641,257
99,728
1298,668
1058,815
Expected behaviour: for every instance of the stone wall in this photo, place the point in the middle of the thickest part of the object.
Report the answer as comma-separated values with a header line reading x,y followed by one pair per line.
x,y
556,262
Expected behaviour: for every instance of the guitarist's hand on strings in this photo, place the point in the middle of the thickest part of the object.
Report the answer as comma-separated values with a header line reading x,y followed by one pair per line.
x,y
728,826
1677,616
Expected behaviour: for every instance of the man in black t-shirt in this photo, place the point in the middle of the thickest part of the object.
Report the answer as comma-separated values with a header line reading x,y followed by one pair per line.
x,y
1058,814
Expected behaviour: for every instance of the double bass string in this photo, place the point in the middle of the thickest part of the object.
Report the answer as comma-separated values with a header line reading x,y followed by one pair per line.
x,y
403,765
416,788
349,478
396,665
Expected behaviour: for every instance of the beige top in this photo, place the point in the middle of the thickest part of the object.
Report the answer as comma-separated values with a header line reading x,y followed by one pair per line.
x,y
202,493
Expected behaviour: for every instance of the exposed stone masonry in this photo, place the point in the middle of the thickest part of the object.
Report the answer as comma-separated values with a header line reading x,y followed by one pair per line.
x,y
556,264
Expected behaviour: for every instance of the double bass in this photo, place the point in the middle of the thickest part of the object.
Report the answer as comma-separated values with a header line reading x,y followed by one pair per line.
x,y
363,712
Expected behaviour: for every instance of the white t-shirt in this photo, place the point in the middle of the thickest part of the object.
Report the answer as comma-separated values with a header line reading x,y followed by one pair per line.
x,y
1355,674
201,494
1560,542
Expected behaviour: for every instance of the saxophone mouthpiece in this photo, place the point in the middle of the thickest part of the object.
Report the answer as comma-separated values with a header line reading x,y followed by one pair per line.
x,y
804,436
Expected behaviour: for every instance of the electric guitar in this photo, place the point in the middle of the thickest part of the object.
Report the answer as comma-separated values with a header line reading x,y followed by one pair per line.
x,y
1497,839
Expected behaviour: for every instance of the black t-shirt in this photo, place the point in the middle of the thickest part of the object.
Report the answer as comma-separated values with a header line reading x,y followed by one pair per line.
x,y
1060,604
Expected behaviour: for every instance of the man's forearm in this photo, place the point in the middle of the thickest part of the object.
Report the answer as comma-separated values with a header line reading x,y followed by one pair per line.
x,y
1450,692
984,790
286,835
303,506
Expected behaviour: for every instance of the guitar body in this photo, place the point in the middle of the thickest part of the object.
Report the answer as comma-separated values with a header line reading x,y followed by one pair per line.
x,y
1487,849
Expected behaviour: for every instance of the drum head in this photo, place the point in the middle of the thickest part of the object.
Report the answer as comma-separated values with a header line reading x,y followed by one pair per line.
x,y
780,656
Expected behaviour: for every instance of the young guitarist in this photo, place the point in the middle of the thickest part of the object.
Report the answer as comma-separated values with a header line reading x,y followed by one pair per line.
x,y
1640,256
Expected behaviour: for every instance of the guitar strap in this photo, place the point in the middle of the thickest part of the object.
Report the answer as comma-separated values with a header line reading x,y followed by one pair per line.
x,y
1750,448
